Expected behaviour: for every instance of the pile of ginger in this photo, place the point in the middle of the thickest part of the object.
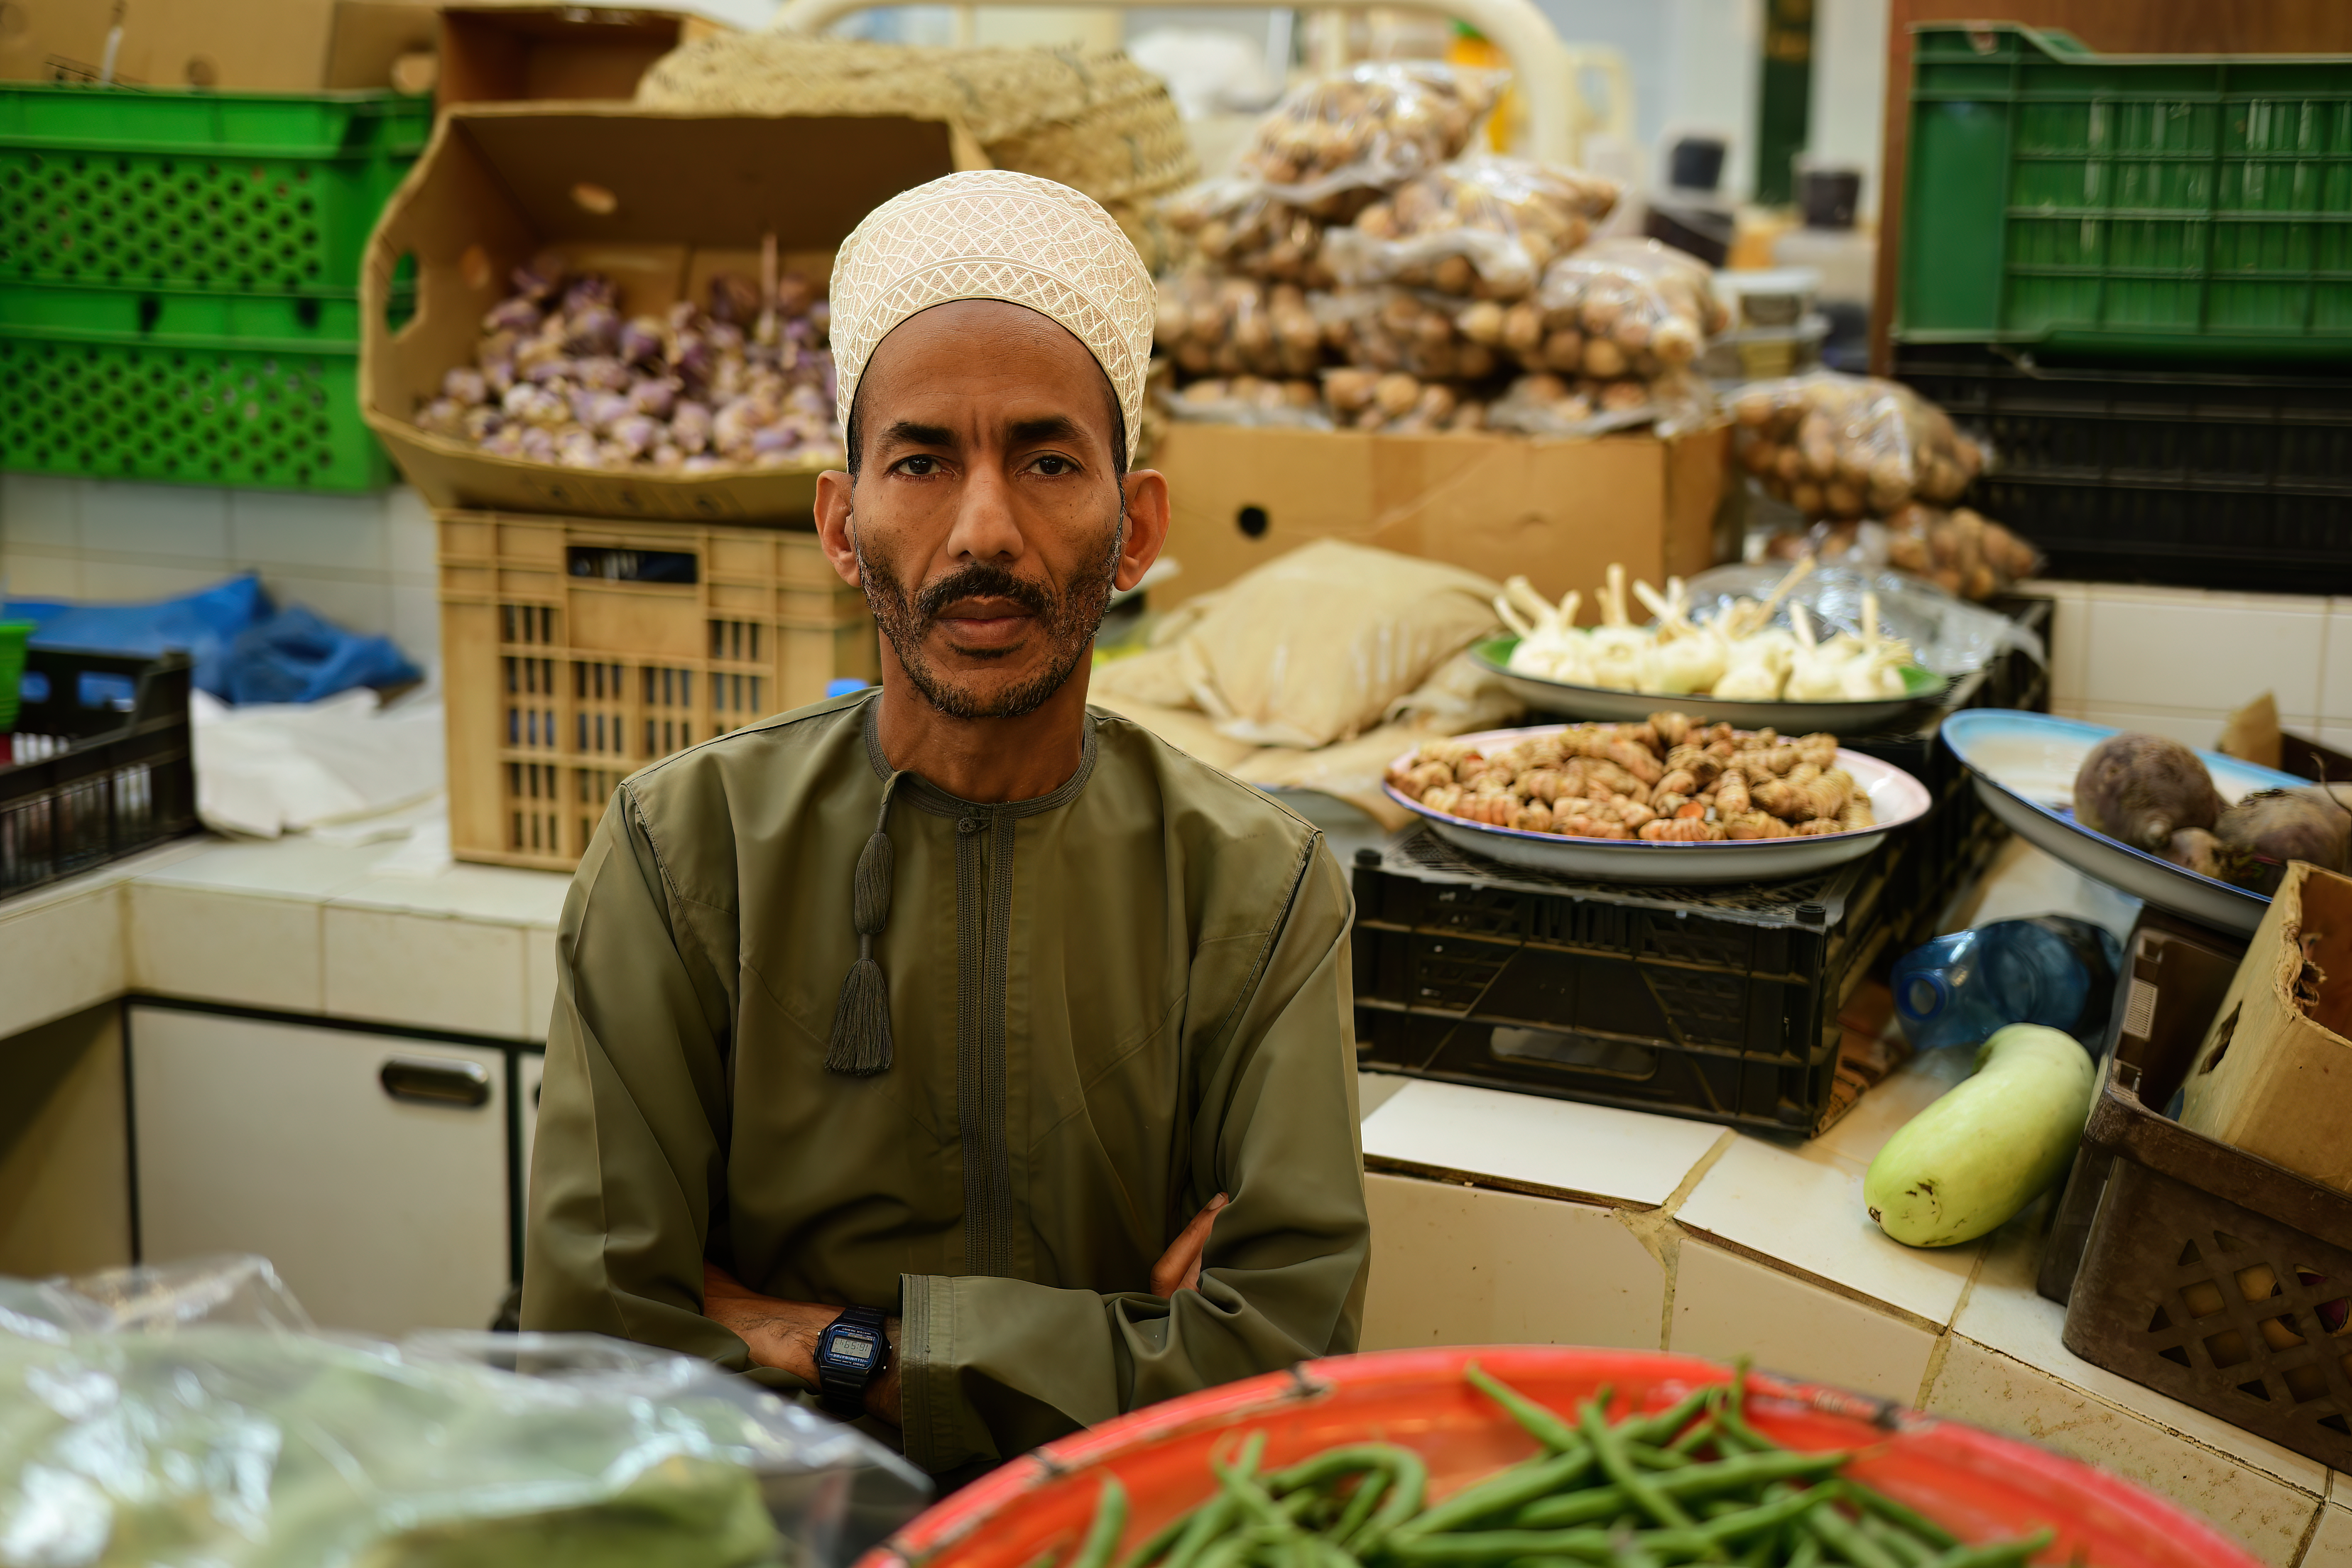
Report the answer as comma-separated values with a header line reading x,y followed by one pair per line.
x,y
1669,779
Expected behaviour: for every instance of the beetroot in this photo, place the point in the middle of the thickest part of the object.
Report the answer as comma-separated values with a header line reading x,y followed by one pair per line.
x,y
2264,831
2143,789
2196,850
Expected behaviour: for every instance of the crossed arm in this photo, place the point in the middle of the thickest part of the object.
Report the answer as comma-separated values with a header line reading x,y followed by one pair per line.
x,y
784,1334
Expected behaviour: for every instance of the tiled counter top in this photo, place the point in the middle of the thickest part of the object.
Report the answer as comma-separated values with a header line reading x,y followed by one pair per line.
x,y
291,926
1495,1216
1505,1217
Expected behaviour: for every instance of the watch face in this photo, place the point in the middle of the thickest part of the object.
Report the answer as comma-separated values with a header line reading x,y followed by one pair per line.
x,y
855,1349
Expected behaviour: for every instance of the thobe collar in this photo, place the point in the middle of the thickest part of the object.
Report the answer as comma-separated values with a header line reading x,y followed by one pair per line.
x,y
861,1043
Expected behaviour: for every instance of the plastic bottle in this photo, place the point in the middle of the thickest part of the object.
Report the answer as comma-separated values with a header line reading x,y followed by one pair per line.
x,y
2052,969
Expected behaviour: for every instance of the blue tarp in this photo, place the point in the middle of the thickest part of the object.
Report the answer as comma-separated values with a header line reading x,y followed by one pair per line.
x,y
245,649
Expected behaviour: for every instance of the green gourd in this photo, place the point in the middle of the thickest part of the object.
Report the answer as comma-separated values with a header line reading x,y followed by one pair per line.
x,y
1989,1147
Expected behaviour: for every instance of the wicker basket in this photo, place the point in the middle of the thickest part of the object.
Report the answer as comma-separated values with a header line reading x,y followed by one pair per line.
x,y
1092,119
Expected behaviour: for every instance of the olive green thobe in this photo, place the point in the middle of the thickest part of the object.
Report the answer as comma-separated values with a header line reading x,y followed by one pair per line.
x,y
1109,1004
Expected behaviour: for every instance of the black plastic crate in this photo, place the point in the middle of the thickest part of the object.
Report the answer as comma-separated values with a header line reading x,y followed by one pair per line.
x,y
102,764
2201,479
1717,1003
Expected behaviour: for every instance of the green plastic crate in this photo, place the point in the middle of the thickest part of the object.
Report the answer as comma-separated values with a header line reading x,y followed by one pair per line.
x,y
194,412
228,192
2176,205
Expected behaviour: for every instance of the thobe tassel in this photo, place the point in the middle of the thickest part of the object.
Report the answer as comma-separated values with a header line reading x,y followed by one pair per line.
x,y
861,1018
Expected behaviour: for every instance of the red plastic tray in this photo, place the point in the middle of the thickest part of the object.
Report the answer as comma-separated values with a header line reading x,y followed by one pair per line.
x,y
1980,1486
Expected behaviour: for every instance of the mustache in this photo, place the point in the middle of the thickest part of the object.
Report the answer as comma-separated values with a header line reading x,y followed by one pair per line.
x,y
980,580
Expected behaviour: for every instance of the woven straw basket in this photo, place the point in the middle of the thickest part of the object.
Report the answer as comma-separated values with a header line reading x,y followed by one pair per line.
x,y
1093,120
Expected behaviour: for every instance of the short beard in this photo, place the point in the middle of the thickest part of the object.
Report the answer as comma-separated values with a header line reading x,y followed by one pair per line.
x,y
1068,622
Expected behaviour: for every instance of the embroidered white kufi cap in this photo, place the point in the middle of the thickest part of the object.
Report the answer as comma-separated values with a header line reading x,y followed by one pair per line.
x,y
992,234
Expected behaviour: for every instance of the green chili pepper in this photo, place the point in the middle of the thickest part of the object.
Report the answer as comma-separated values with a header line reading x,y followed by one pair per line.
x,y
1110,1517
1700,1481
1212,1519
1541,1424
1902,1545
1842,1536
1359,1504
1620,1470
1333,1463
1657,1428
1157,1544
1886,1507
1997,1554
1806,1554
1523,1483
1404,1498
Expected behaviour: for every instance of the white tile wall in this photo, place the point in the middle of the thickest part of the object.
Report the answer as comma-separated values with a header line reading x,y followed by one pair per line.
x,y
1557,1145
1994,1390
1468,1266
2177,661
2331,1544
1727,1306
365,561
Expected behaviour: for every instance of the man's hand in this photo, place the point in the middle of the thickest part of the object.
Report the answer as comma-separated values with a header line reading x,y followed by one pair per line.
x,y
784,1334
1178,1267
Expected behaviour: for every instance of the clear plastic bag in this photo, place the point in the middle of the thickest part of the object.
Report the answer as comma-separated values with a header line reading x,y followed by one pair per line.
x,y
1483,226
1224,326
1251,400
1393,329
179,1417
1850,447
1332,140
1947,635
1961,551
1617,308
1547,405
1399,403
1235,224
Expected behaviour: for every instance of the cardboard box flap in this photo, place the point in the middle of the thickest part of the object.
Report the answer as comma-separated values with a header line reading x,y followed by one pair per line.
x,y
658,200
699,180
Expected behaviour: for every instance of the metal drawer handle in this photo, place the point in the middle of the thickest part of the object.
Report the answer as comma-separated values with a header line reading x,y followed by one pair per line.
x,y
428,1080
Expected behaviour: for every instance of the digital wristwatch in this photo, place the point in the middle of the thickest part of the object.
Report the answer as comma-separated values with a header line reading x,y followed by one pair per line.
x,y
850,1354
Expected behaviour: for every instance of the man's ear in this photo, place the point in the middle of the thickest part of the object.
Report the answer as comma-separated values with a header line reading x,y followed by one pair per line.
x,y
1146,525
834,492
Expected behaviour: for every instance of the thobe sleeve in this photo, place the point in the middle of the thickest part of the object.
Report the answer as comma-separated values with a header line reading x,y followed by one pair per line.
x,y
990,1367
628,1151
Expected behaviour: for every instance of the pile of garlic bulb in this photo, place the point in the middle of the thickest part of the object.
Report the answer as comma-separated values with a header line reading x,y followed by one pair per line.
x,y
560,376
1739,657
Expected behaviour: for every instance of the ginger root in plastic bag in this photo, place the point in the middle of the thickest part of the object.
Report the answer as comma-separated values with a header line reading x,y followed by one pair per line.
x,y
1547,405
1399,403
1618,307
1483,226
1211,325
1850,447
1961,551
1397,330
1251,400
1235,224
1335,138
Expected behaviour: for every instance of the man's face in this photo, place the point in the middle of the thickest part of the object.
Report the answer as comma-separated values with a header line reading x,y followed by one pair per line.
x,y
985,523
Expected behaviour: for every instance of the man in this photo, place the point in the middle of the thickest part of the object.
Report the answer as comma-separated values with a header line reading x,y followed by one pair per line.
x,y
974,1057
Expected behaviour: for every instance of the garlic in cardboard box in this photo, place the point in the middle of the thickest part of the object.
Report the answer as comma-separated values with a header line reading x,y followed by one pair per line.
x,y
561,377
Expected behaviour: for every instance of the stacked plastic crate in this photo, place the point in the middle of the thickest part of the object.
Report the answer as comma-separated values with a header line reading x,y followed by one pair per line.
x,y
178,275
2135,272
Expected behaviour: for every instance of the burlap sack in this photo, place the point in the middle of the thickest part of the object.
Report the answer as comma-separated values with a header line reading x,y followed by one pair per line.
x,y
1093,120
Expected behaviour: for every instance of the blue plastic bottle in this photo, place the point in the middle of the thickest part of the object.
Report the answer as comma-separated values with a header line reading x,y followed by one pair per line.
x,y
1958,990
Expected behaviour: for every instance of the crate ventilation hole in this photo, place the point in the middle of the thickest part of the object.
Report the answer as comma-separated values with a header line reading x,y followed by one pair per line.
x,y
91,218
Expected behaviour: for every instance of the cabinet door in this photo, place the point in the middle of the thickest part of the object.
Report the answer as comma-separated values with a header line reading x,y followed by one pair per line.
x,y
529,1068
371,1170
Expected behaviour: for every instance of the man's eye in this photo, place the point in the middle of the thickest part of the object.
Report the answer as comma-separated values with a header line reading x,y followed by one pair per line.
x,y
1050,464
919,464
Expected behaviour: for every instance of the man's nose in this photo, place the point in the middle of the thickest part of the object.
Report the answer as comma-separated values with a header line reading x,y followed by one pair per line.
x,y
985,528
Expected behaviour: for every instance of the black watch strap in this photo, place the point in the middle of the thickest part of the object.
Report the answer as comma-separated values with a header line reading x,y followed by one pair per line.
x,y
843,1388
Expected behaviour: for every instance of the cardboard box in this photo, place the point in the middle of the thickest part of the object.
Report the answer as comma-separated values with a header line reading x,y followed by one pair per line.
x,y
658,200
1558,511
571,53
237,46
2275,1074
